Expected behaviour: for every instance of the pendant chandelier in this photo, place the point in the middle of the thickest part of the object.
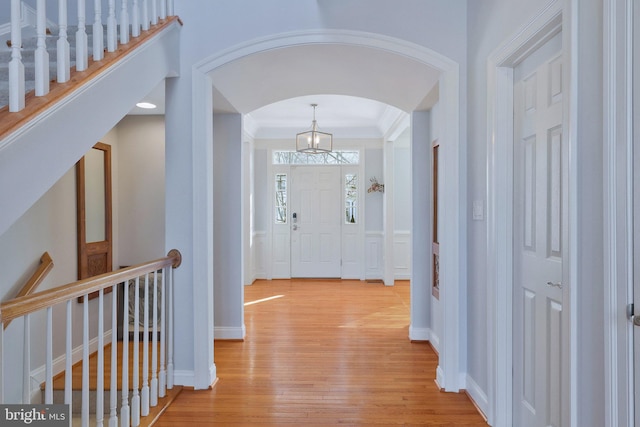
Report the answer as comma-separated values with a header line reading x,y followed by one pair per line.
x,y
313,141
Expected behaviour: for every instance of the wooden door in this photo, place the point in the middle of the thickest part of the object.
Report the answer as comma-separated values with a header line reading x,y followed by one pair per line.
x,y
93,185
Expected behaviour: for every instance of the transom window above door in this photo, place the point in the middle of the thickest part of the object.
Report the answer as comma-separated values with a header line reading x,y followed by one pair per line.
x,y
332,158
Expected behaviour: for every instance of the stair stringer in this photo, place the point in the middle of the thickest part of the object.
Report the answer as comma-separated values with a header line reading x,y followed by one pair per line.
x,y
37,155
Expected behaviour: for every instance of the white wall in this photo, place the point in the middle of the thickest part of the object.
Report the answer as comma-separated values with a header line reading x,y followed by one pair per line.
x,y
49,225
490,23
262,206
402,206
141,191
227,227
422,223
374,225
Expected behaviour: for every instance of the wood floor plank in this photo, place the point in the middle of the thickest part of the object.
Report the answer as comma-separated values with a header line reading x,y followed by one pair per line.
x,y
323,353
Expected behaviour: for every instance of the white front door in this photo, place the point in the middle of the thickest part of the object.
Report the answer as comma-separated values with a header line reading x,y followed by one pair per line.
x,y
537,249
316,214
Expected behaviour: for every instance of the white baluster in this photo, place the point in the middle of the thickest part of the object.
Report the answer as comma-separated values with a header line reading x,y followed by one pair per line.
x,y
100,367
41,54
113,413
153,396
16,67
170,8
135,399
124,23
98,31
26,371
154,12
170,331
162,378
68,374
124,411
85,362
82,42
145,15
145,351
112,27
48,388
135,19
63,49
163,9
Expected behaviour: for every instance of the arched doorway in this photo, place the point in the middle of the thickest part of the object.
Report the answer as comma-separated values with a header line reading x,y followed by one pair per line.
x,y
394,51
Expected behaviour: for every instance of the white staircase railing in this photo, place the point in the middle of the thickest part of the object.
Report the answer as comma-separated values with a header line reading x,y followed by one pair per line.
x,y
152,283
139,12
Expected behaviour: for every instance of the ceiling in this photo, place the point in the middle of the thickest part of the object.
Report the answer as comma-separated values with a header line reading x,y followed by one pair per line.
x,y
359,90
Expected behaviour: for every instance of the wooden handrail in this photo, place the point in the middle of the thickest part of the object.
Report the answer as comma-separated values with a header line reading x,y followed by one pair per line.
x,y
46,264
28,304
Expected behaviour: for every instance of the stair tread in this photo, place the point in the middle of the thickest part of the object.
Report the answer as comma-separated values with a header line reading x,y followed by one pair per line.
x,y
76,379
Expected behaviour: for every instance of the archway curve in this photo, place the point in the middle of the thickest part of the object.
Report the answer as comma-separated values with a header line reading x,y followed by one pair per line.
x,y
452,268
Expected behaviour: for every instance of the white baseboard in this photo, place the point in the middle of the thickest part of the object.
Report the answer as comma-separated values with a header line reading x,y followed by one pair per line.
x,y
188,379
419,334
184,378
477,395
434,340
229,332
439,377
38,375
213,374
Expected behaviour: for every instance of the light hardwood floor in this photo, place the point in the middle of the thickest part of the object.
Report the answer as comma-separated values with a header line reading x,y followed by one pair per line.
x,y
323,353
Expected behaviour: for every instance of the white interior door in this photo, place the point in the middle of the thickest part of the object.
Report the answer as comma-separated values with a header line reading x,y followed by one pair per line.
x,y
316,215
537,258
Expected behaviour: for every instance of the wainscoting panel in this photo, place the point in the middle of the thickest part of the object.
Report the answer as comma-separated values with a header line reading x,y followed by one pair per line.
x,y
259,265
402,255
351,253
374,251
280,253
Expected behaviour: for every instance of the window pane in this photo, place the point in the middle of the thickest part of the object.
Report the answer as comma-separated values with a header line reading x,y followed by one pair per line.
x,y
351,198
281,198
332,158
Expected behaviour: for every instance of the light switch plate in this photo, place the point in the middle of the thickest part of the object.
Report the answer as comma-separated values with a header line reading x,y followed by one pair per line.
x,y
478,210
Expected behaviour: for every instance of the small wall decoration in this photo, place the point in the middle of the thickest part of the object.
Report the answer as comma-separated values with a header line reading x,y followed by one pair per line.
x,y
375,186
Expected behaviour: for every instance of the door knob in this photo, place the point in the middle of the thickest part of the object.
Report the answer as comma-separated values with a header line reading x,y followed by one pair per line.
x,y
634,318
555,285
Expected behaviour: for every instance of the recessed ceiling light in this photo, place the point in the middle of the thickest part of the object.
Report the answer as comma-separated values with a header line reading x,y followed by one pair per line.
x,y
146,105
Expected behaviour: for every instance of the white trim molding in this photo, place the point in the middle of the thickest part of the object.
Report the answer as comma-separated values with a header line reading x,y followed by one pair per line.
x,y
547,23
479,397
619,18
420,334
230,332
402,255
